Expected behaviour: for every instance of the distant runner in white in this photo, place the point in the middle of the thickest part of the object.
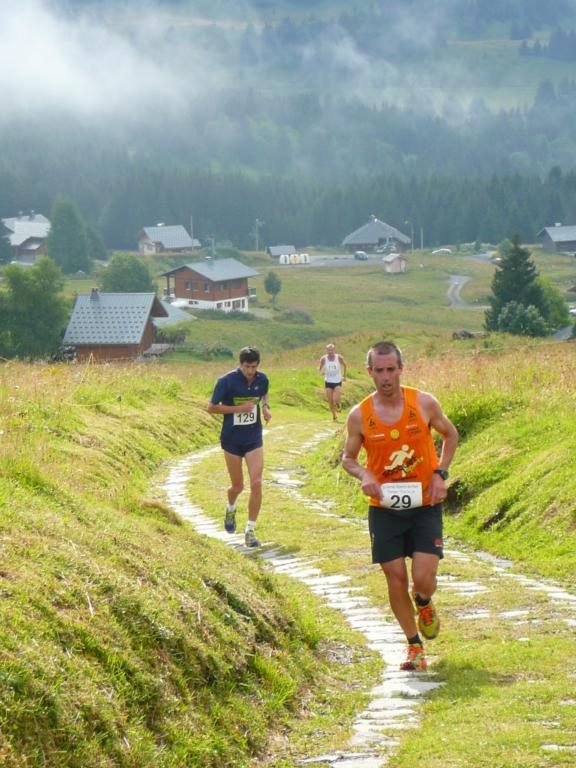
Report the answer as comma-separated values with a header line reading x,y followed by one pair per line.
x,y
333,367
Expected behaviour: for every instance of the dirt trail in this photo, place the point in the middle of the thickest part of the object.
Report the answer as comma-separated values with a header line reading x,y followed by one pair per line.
x,y
395,701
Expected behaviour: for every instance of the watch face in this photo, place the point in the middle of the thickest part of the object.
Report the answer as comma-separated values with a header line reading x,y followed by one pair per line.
x,y
443,473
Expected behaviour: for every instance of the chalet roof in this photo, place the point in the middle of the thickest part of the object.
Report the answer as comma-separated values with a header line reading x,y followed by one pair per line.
x,y
217,270
279,250
373,232
30,218
111,318
171,236
22,230
173,315
392,257
559,234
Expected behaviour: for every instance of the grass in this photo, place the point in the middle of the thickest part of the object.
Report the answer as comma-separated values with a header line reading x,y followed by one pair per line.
x,y
129,640
511,673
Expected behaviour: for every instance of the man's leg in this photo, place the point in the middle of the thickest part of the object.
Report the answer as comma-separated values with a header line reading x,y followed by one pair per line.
x,y
424,578
337,392
330,399
234,467
398,593
424,574
255,464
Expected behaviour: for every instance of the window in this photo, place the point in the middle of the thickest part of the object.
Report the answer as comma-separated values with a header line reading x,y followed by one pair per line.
x,y
206,287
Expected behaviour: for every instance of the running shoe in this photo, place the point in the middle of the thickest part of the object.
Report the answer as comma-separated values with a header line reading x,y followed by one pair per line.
x,y
230,519
415,659
250,539
428,620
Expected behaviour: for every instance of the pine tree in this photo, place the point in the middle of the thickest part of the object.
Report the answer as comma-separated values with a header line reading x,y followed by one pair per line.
x,y
68,242
272,285
515,280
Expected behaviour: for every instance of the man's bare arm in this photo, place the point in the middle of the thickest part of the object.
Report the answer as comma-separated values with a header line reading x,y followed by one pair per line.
x,y
354,440
245,407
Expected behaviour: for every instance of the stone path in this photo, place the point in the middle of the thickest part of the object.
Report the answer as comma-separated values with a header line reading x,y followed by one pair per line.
x,y
395,699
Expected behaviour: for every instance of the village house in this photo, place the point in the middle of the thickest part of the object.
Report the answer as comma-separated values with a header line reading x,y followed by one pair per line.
x,y
558,239
211,284
27,235
106,327
276,251
376,235
166,239
394,263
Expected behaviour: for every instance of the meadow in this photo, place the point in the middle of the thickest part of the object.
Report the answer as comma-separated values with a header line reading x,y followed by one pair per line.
x,y
127,639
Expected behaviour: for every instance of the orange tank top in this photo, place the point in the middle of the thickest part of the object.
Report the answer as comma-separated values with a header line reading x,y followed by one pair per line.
x,y
403,452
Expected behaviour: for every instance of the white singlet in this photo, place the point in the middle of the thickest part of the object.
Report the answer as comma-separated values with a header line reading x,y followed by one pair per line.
x,y
332,370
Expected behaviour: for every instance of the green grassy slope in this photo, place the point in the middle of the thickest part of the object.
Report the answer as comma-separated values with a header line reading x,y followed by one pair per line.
x,y
128,640
125,638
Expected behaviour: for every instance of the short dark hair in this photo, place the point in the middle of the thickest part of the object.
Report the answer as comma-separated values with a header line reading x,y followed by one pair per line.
x,y
384,348
249,355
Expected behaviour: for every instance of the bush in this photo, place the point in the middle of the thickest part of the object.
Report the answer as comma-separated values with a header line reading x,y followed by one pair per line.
x,y
204,351
522,321
296,316
217,314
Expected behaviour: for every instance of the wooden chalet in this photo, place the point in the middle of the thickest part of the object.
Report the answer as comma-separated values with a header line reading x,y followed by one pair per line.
x,y
27,235
558,239
376,234
211,284
166,239
112,326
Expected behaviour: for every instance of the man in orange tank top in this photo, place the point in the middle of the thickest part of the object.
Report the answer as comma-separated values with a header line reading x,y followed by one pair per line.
x,y
405,481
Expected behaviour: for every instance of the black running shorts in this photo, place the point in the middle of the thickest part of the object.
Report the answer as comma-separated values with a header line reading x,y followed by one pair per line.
x,y
240,450
394,536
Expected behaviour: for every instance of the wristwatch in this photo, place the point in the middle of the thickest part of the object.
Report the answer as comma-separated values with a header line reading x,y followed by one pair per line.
x,y
442,472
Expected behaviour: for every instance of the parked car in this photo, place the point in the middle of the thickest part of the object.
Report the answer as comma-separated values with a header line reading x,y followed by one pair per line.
x,y
361,255
442,250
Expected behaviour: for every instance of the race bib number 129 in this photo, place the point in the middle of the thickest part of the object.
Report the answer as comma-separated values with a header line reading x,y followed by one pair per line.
x,y
244,419
401,495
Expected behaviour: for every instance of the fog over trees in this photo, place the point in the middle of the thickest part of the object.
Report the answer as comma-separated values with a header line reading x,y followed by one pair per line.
x,y
236,111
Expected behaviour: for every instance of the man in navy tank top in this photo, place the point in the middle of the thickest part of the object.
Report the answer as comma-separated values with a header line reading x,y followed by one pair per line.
x,y
241,396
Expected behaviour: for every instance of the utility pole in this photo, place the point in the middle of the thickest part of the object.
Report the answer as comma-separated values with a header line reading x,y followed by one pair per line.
x,y
411,234
256,233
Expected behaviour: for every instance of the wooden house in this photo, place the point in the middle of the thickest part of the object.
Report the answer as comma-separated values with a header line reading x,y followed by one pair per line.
x,y
558,239
211,284
112,326
375,235
166,239
27,235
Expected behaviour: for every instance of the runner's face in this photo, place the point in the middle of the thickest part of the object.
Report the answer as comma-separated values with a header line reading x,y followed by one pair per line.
x,y
249,370
385,373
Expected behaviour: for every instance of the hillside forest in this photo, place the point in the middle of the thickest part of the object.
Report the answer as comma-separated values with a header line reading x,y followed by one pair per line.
x,y
309,117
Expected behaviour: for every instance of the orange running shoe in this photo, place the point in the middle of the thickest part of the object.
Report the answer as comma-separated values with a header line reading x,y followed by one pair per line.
x,y
428,620
415,659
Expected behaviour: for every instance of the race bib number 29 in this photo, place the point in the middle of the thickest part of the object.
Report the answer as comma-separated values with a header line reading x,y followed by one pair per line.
x,y
401,495
244,419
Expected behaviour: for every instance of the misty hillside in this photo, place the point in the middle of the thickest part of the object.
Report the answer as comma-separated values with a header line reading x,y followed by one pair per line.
x,y
154,103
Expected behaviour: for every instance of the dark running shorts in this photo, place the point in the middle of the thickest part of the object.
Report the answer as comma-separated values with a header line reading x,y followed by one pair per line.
x,y
332,384
241,450
394,536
